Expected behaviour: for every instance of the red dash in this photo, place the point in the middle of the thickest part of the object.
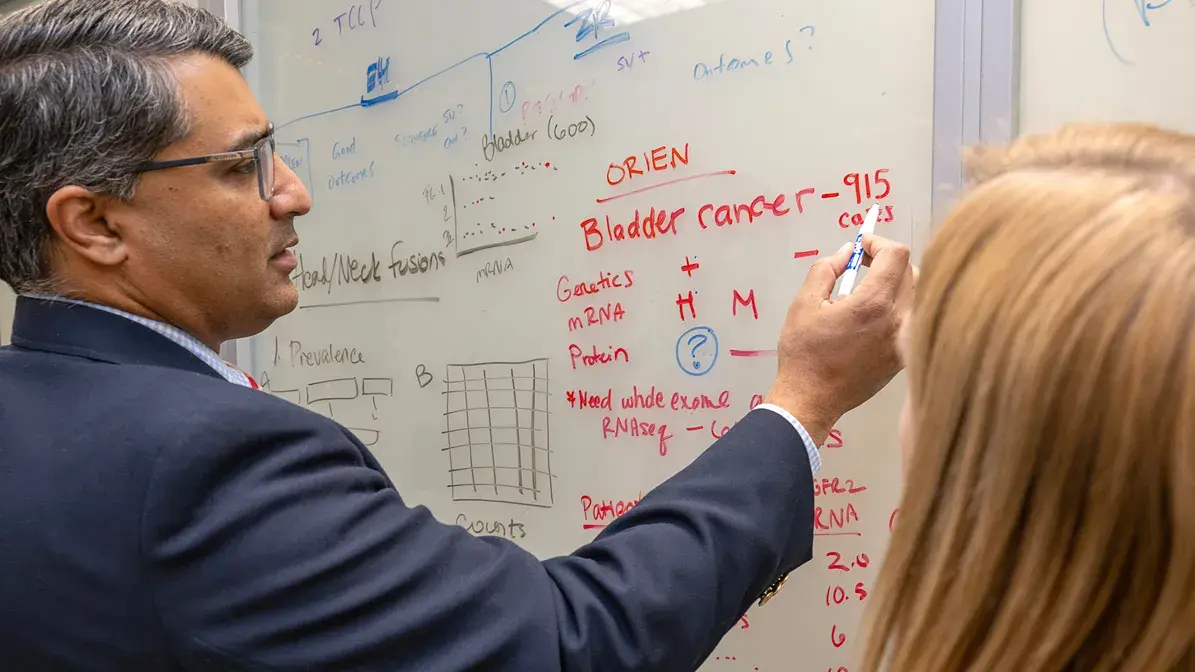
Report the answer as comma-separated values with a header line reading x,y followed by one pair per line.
x,y
665,184
698,428
752,353
804,253
592,526
830,194
837,534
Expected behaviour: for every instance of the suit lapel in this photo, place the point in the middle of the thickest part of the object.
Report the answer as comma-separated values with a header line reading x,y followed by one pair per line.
x,y
82,331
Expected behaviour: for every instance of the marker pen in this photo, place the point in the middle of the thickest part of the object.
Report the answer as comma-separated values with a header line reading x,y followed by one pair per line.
x,y
856,260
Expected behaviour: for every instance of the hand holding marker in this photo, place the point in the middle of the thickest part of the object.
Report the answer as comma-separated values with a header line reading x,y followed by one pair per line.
x,y
856,260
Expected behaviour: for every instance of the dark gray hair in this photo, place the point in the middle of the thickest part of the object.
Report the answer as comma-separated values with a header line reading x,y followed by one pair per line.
x,y
86,95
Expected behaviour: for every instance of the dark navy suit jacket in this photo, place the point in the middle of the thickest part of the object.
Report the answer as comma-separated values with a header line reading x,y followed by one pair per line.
x,y
155,517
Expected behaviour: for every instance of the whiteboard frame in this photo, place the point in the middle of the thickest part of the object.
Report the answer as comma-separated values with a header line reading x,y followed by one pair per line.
x,y
977,65
977,88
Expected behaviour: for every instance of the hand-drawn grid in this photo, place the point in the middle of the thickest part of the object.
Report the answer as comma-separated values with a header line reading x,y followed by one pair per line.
x,y
496,423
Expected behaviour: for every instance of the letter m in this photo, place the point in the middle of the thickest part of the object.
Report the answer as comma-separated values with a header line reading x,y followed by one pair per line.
x,y
575,323
749,301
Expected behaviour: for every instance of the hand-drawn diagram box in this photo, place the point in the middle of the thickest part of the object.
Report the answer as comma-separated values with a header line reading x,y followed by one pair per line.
x,y
332,390
496,425
374,386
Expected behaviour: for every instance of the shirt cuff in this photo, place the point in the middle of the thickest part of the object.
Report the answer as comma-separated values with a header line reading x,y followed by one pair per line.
x,y
815,458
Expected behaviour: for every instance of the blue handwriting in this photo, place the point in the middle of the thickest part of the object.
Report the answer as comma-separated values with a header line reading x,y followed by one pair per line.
x,y
1144,8
701,70
625,62
590,22
405,140
377,75
697,351
340,151
346,177
353,19
394,95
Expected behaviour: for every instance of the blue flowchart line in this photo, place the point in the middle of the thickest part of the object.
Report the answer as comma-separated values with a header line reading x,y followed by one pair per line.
x,y
613,39
395,95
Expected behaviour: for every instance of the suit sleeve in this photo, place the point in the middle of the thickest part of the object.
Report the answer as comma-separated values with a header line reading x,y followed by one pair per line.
x,y
282,549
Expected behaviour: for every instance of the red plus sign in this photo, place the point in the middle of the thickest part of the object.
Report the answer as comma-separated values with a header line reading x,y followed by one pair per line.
x,y
690,266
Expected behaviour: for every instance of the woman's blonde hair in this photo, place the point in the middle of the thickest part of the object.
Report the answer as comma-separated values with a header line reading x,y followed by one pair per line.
x,y
1048,515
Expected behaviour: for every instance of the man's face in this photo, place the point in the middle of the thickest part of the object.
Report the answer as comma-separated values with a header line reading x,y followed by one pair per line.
x,y
204,249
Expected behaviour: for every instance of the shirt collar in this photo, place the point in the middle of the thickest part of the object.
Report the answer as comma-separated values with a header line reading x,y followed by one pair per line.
x,y
171,332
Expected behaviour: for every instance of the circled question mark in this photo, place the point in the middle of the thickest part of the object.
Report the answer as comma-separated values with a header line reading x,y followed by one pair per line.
x,y
697,351
696,341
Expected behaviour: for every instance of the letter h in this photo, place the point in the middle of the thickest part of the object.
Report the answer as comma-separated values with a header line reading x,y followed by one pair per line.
x,y
685,300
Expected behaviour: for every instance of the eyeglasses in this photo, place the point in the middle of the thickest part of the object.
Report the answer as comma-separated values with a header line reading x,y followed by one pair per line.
x,y
262,155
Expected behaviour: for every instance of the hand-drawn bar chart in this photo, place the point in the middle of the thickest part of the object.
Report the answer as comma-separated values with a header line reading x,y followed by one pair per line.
x,y
496,425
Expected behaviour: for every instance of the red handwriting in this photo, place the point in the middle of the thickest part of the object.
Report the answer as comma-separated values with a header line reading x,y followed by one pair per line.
x,y
837,638
807,191
637,399
867,186
594,513
756,399
836,595
689,266
699,402
861,561
749,301
683,300
848,219
651,226
861,183
613,428
726,215
831,486
717,431
549,102
734,660
648,398
595,358
660,158
565,289
834,440
892,518
583,399
597,316
828,520
877,179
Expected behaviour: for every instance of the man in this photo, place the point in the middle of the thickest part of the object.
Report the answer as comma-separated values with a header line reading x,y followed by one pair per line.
x,y
158,513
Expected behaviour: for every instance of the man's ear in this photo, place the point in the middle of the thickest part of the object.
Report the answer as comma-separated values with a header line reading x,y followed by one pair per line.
x,y
79,217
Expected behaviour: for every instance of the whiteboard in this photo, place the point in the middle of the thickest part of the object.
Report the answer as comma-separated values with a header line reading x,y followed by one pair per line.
x,y
1106,61
542,202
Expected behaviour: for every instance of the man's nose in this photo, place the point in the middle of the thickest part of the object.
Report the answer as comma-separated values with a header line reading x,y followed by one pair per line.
x,y
291,198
